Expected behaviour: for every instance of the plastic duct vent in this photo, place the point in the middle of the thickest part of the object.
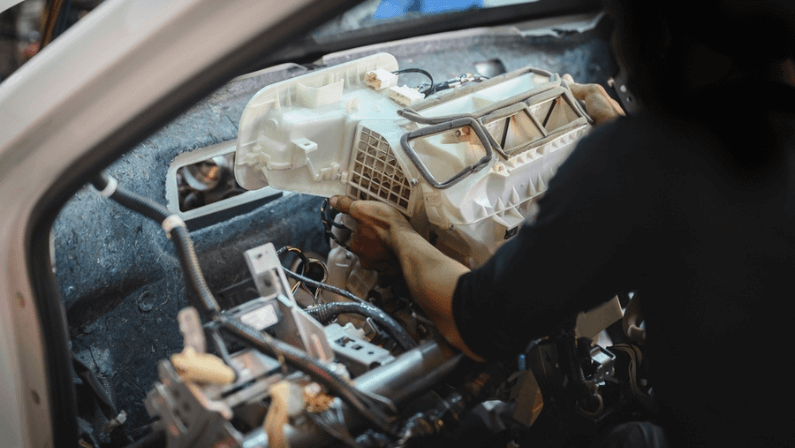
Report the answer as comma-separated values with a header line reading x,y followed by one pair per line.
x,y
376,174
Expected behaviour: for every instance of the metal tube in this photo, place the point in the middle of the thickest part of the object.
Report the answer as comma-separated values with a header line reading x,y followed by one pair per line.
x,y
408,376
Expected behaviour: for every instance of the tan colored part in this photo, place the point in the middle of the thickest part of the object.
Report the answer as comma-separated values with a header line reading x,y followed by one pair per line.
x,y
633,318
380,79
287,400
528,398
592,322
202,367
316,401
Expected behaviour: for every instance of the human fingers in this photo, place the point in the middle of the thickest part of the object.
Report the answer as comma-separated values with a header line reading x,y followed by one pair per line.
x,y
587,91
374,211
360,209
599,92
341,203
598,103
592,92
583,91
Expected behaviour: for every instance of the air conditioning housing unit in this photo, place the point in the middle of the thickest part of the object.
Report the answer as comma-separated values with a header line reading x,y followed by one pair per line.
x,y
465,165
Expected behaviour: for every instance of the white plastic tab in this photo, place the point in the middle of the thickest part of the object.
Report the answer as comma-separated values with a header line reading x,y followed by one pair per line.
x,y
287,401
380,79
110,188
302,147
171,222
590,323
261,318
405,96
314,97
190,325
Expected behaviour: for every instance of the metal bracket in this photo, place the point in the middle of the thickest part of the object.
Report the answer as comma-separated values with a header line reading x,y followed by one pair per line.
x,y
296,327
605,361
266,269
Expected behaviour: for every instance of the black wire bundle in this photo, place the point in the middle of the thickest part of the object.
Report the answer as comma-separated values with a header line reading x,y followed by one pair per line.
x,y
305,262
325,313
179,235
327,216
327,287
427,91
449,84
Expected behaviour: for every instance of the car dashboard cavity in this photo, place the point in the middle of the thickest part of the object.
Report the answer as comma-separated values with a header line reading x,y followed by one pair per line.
x,y
237,316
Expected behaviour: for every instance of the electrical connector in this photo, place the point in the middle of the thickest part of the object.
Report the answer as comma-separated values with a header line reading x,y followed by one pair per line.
x,y
405,96
380,79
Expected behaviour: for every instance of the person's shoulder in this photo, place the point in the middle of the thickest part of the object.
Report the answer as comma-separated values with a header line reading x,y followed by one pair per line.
x,y
635,138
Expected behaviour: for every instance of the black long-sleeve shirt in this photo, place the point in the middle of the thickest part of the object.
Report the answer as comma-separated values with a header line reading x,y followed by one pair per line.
x,y
696,215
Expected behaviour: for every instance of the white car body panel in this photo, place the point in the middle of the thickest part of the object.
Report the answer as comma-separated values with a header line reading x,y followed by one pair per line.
x,y
110,67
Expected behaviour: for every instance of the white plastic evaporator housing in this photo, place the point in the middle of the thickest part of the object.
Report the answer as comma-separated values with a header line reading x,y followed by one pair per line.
x,y
464,165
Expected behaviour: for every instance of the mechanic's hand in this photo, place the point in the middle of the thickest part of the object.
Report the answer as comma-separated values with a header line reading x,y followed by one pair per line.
x,y
598,103
373,239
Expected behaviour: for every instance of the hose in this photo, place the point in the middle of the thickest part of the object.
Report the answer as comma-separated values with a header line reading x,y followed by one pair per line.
x,y
175,229
311,366
326,313
192,269
132,201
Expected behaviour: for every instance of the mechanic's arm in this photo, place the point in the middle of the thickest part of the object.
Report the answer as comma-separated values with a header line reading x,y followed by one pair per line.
x,y
384,236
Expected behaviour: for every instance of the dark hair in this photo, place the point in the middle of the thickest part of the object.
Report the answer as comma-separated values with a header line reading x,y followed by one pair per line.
x,y
662,46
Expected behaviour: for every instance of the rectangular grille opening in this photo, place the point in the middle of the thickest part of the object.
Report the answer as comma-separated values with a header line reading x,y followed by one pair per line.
x,y
377,173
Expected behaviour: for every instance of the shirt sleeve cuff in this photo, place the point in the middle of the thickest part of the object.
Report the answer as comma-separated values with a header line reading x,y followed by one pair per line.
x,y
466,320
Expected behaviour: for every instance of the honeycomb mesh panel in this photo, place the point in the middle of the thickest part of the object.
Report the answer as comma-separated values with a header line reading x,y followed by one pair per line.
x,y
376,174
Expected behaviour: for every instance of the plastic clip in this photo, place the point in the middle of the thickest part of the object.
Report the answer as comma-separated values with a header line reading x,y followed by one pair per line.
x,y
172,222
110,188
